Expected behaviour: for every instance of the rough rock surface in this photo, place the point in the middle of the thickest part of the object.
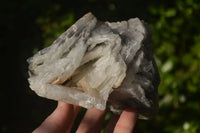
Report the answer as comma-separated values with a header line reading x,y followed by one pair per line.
x,y
99,64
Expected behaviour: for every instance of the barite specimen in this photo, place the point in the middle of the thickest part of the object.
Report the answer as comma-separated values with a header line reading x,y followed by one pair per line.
x,y
99,64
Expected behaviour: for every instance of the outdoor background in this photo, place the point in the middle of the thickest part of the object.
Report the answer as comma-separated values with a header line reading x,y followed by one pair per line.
x,y
27,26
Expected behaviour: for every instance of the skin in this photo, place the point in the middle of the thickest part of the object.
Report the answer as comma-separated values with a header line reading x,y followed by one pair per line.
x,y
62,119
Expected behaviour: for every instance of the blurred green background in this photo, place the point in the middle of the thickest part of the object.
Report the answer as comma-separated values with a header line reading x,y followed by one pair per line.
x,y
27,26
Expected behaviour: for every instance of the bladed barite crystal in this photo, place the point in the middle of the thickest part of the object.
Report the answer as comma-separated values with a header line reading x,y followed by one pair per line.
x,y
99,64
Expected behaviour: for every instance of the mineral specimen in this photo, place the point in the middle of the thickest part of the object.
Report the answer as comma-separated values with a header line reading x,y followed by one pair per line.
x,y
99,64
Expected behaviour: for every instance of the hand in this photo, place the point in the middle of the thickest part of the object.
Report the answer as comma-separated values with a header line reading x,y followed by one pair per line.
x,y
62,119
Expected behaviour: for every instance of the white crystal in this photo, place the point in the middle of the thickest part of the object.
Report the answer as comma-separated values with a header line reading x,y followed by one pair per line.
x,y
99,64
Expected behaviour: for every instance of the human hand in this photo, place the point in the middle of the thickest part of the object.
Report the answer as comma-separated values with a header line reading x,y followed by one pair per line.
x,y
62,119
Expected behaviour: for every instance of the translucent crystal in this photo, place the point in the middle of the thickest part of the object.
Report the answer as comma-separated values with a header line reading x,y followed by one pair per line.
x,y
101,65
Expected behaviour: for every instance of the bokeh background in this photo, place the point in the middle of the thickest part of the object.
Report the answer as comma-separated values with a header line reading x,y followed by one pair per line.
x,y
27,26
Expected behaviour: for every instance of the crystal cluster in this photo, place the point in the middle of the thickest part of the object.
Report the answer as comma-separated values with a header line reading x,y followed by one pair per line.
x,y
99,64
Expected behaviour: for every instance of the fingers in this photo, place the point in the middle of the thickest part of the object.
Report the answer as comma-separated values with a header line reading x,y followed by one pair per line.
x,y
126,122
92,121
63,117
60,120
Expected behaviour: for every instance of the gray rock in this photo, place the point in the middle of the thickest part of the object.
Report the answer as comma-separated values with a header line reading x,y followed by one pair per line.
x,y
99,64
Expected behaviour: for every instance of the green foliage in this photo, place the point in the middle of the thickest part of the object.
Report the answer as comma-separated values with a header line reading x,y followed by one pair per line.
x,y
177,48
